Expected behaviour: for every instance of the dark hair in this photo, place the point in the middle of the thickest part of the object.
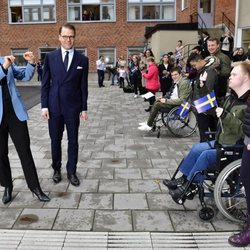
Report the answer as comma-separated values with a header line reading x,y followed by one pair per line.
x,y
100,56
194,57
198,47
205,33
151,52
175,69
68,26
180,41
214,39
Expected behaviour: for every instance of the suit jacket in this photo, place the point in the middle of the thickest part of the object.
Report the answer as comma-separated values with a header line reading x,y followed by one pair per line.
x,y
65,92
14,72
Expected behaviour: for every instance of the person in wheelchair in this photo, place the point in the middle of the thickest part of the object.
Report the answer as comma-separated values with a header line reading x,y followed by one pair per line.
x,y
179,91
242,239
203,155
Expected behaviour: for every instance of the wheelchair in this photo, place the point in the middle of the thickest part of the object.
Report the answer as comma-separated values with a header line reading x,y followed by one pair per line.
x,y
222,183
178,126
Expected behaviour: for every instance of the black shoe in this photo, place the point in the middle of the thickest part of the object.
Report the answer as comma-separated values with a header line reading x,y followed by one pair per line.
x,y
7,195
173,184
186,191
103,86
57,177
40,194
147,110
73,179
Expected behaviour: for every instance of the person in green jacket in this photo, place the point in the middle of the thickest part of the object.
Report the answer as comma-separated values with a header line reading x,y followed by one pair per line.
x,y
179,91
203,155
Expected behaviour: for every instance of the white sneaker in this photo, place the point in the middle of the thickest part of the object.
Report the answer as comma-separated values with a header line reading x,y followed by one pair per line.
x,y
135,96
145,127
142,123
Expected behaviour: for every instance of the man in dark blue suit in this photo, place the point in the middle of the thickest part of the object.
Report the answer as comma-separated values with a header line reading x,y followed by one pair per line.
x,y
64,95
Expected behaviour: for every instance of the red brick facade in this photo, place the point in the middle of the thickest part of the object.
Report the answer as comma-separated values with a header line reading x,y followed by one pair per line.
x,y
120,34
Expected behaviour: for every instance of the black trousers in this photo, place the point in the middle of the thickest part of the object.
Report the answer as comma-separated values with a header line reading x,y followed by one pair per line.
x,y
206,123
245,175
18,131
100,74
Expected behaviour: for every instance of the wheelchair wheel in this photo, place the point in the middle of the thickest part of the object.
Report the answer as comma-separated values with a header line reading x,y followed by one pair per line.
x,y
207,213
229,193
180,127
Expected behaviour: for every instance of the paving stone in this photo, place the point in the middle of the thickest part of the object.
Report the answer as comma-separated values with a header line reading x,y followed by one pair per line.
x,y
96,201
86,186
73,219
8,216
114,163
126,154
144,186
36,219
188,221
162,202
151,221
130,201
90,163
139,163
165,163
63,200
154,173
113,186
102,155
112,221
100,174
128,174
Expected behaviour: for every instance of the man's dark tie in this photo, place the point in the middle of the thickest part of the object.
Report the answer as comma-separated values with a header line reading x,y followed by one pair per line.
x,y
66,60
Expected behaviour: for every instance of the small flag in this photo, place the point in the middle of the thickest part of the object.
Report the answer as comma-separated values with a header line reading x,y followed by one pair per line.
x,y
205,103
183,109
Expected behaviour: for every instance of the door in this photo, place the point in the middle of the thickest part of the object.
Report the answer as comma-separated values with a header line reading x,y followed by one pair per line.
x,y
206,11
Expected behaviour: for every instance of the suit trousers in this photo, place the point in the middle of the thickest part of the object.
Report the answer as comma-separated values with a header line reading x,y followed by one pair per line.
x,y
18,131
100,74
56,128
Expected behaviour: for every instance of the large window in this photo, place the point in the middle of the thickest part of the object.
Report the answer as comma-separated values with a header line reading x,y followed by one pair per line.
x,y
108,54
134,51
32,11
148,10
91,10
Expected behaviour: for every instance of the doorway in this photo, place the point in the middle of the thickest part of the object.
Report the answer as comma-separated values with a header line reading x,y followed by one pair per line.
x,y
206,11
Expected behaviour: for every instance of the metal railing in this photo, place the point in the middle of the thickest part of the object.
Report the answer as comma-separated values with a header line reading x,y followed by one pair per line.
x,y
196,17
228,23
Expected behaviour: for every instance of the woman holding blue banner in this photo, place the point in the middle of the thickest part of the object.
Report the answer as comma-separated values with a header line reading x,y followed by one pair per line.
x,y
203,155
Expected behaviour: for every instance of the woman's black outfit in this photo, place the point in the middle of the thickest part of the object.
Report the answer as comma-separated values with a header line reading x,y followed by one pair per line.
x,y
165,79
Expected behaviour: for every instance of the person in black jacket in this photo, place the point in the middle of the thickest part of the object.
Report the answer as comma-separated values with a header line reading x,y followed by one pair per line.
x,y
243,238
165,75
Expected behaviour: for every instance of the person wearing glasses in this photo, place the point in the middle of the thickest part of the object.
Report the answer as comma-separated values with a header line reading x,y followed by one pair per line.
x,y
64,95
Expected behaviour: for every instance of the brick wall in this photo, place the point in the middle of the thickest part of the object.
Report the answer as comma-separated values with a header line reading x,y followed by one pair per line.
x,y
120,34
226,6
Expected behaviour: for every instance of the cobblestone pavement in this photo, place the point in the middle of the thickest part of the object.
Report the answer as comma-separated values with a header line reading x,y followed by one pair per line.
x,y
121,171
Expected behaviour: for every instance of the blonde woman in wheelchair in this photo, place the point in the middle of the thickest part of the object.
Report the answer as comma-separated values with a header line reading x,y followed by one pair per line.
x,y
203,155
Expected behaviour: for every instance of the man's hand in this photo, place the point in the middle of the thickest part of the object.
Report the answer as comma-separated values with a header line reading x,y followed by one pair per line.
x,y
84,116
219,111
8,60
163,100
45,114
28,56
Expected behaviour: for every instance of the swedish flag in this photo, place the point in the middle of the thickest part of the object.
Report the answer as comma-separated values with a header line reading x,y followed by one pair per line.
x,y
183,109
205,103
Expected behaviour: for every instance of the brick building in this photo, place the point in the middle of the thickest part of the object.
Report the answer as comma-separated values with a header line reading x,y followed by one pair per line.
x,y
108,27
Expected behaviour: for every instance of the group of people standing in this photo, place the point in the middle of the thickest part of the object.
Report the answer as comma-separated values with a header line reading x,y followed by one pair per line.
x,y
64,95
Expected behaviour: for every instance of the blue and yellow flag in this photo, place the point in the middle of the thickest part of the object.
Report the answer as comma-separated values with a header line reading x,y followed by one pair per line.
x,y
183,109
205,103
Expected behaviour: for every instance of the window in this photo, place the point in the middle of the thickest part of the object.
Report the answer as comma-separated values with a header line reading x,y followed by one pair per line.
x,y
18,54
91,10
82,51
30,11
143,10
184,4
134,51
108,54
